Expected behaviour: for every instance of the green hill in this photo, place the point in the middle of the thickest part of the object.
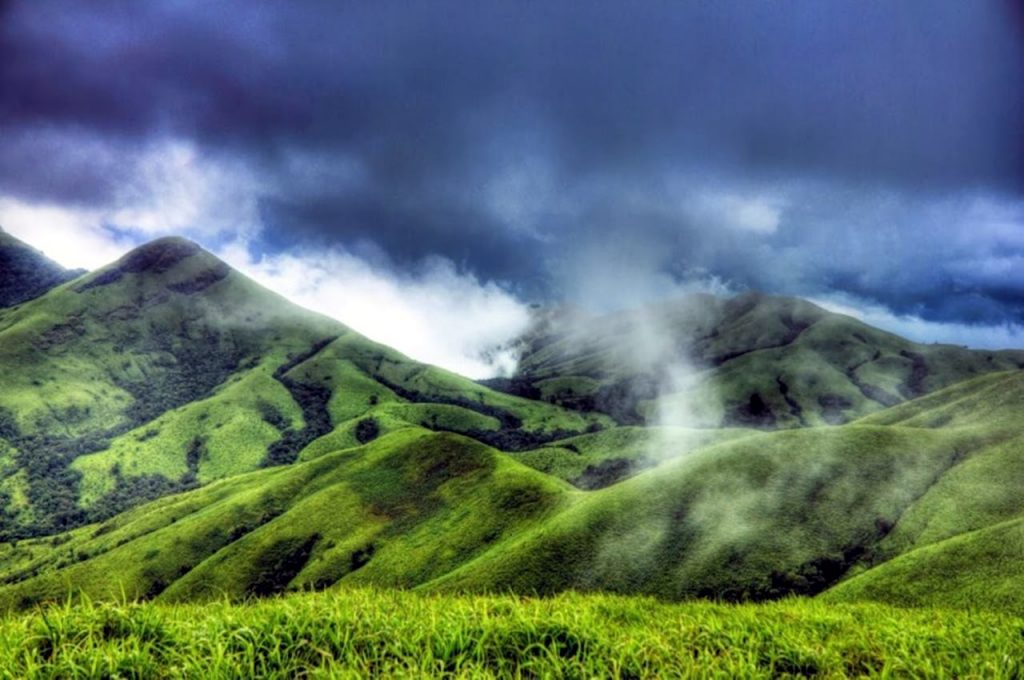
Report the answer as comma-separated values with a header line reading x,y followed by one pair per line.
x,y
167,369
738,515
402,511
754,517
754,361
978,570
961,544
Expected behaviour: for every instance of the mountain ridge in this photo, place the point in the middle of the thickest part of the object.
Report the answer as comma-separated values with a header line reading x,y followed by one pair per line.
x,y
825,368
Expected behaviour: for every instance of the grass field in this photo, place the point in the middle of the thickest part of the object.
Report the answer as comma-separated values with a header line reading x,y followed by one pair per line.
x,y
369,633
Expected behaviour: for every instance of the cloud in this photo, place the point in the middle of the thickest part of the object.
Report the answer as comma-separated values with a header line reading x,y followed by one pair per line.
x,y
171,189
435,313
979,336
757,215
69,237
175,189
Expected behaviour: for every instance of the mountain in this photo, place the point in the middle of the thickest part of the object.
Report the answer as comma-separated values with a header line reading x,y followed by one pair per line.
x,y
26,273
749,361
167,369
171,430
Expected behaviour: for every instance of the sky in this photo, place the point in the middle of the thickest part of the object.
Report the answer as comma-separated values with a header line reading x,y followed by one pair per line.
x,y
424,171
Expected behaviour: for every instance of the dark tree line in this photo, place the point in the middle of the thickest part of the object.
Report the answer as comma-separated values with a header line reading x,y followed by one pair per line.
x,y
619,399
510,435
312,399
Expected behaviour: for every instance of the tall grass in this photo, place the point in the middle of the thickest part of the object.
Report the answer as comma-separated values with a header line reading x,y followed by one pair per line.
x,y
370,633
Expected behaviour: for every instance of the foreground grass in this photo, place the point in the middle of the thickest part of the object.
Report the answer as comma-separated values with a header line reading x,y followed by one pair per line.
x,y
374,633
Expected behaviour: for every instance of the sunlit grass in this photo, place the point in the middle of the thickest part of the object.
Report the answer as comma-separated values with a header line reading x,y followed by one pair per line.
x,y
367,633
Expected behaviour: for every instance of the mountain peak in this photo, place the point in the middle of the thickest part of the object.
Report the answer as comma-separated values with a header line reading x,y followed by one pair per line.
x,y
26,273
158,256
163,256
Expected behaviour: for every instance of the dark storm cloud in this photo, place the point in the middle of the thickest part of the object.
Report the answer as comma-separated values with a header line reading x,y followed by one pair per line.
x,y
505,135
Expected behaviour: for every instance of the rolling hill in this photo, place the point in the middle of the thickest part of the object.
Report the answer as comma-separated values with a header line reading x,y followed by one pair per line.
x,y
749,361
753,516
170,430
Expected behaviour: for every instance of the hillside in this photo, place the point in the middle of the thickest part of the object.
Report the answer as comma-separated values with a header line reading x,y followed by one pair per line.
x,y
961,544
741,515
749,361
25,273
405,509
752,516
167,369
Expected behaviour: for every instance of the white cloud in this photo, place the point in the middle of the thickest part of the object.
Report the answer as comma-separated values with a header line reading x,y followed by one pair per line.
x,y
755,214
176,190
173,191
982,336
74,238
436,314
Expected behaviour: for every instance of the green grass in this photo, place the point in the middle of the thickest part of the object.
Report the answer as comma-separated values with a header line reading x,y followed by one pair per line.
x,y
734,514
403,510
753,517
739,514
372,633
750,517
229,424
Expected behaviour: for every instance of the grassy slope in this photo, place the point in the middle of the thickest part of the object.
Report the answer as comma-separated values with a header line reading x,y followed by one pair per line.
x,y
962,542
621,451
403,510
982,569
393,634
952,529
755,517
416,508
236,436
